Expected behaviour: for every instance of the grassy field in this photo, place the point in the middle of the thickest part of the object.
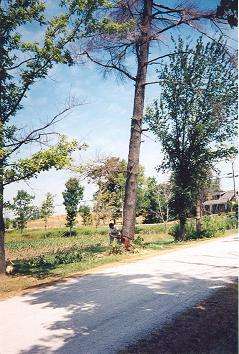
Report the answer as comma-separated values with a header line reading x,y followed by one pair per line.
x,y
40,256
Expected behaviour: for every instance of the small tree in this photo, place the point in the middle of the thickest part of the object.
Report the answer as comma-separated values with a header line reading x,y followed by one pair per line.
x,y
85,213
157,197
47,208
22,208
72,196
8,223
152,202
36,214
109,174
195,119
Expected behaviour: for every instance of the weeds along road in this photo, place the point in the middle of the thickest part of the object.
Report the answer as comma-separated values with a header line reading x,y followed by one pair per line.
x,y
105,311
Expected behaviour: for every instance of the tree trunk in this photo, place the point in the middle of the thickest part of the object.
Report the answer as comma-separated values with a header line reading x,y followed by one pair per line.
x,y
167,216
198,218
182,227
136,126
2,228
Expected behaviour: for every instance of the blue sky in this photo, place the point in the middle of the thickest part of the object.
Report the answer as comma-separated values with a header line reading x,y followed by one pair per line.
x,y
103,122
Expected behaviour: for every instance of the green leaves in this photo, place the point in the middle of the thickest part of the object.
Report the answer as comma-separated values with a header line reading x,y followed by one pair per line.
x,y
47,207
58,157
195,118
72,196
22,208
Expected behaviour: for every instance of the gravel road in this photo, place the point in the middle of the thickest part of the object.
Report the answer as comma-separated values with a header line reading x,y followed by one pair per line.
x,y
103,312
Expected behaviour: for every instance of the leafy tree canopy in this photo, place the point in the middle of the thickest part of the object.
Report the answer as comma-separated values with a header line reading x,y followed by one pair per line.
x,y
47,207
195,117
22,208
157,198
109,174
85,212
72,197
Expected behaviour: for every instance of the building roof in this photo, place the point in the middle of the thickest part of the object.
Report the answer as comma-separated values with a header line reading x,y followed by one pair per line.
x,y
224,198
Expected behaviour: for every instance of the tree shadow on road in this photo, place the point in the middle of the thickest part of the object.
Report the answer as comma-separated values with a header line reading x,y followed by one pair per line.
x,y
112,308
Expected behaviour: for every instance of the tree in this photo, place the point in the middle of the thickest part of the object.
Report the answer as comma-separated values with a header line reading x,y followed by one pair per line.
x,y
22,64
36,214
85,213
22,208
195,118
109,174
157,197
72,197
8,223
133,30
47,208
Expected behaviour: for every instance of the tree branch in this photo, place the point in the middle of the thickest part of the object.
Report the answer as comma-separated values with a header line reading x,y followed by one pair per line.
x,y
110,66
36,134
23,62
150,62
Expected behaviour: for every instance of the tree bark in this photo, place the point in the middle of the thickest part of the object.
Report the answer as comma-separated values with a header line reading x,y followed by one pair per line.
x,y
167,216
198,217
182,228
129,210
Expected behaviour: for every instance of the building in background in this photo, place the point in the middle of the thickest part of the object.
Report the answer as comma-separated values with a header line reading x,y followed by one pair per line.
x,y
221,202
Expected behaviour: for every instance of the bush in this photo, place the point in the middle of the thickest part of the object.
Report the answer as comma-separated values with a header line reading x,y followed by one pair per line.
x,y
66,257
38,262
211,227
67,233
116,248
139,241
71,255
189,231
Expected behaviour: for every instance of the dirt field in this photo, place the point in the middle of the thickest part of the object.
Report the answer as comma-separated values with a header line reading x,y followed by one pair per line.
x,y
57,221
54,221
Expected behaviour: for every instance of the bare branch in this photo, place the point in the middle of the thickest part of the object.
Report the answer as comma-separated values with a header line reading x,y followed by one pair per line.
x,y
150,62
110,66
17,179
23,62
152,83
36,134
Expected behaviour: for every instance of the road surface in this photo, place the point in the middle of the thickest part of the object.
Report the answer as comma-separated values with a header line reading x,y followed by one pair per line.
x,y
103,312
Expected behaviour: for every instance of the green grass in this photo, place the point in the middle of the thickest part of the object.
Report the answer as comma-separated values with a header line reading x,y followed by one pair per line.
x,y
40,257
35,234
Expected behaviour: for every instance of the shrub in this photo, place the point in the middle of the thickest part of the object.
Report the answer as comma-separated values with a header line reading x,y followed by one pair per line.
x,y
116,248
139,241
67,233
189,230
66,257
71,255
211,226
